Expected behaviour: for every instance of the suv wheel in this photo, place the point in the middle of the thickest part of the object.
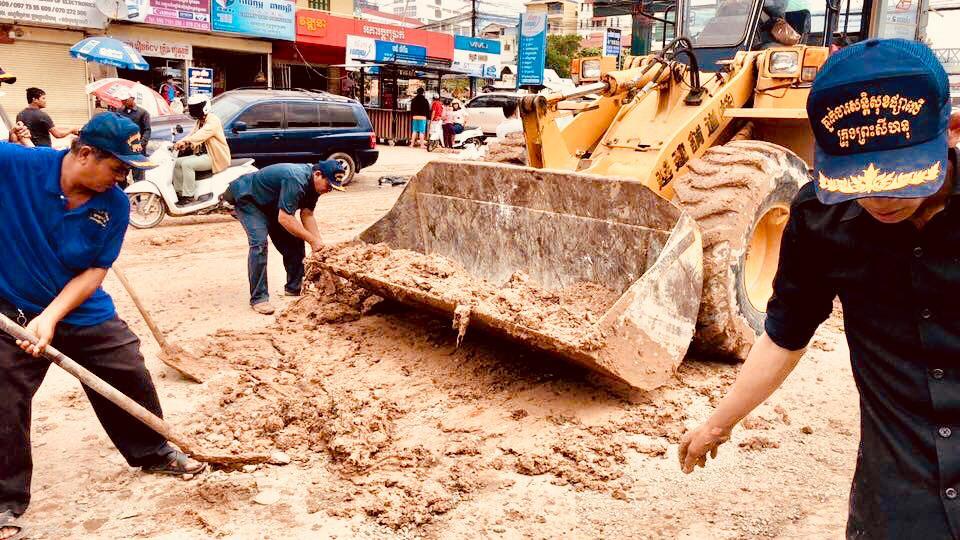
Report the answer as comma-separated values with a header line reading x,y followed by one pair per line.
x,y
345,161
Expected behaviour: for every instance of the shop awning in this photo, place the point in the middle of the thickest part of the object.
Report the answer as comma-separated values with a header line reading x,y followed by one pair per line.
x,y
411,71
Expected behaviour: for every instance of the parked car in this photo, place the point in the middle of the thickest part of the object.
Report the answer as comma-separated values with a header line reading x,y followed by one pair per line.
x,y
486,110
274,126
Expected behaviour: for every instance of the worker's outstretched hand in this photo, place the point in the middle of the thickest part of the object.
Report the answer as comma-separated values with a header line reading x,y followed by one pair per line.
x,y
43,326
697,443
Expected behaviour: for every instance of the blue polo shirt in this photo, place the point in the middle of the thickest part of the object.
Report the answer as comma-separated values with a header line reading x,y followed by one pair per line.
x,y
285,186
47,245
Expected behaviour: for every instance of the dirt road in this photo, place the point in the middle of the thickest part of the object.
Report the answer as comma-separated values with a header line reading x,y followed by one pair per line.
x,y
395,433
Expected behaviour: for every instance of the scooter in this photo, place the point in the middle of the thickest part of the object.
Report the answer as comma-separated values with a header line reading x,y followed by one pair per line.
x,y
154,197
469,135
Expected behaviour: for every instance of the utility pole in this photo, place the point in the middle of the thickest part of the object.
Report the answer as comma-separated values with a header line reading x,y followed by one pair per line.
x,y
473,33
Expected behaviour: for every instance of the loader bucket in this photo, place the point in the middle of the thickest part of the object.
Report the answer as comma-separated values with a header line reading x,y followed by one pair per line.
x,y
559,228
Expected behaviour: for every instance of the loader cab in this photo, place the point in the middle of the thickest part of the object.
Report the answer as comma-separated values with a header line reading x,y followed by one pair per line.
x,y
719,29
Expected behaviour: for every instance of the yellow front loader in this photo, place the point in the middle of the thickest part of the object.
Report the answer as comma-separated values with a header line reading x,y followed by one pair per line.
x,y
672,188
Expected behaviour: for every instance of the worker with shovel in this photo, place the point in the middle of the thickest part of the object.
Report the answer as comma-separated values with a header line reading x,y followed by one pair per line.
x,y
64,220
878,227
267,202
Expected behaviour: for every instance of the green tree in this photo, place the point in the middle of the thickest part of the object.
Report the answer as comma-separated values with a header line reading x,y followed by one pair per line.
x,y
560,51
589,51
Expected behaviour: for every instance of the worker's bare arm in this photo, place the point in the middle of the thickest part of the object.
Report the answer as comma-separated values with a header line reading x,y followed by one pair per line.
x,y
296,228
767,366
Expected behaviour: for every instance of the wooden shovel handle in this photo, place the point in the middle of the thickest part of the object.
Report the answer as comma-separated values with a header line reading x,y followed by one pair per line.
x,y
157,334
100,386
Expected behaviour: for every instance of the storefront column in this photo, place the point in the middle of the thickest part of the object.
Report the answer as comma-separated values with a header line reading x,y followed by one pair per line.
x,y
269,70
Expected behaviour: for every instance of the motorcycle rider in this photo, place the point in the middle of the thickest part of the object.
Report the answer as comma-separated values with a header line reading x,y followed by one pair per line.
x,y
210,150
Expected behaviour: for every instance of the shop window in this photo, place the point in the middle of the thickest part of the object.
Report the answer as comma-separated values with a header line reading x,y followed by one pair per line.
x,y
263,116
338,116
322,5
437,13
302,115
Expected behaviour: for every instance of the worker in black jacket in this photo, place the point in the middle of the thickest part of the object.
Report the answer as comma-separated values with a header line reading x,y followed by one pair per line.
x,y
139,115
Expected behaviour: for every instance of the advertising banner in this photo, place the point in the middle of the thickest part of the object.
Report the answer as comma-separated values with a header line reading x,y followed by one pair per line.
x,y
199,81
72,13
375,50
389,51
477,56
317,27
161,49
532,49
274,19
360,48
611,42
192,14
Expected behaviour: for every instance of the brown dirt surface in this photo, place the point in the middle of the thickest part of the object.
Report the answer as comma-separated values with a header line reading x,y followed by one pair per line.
x,y
394,432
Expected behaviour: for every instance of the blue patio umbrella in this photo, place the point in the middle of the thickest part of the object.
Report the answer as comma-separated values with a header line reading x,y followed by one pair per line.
x,y
109,51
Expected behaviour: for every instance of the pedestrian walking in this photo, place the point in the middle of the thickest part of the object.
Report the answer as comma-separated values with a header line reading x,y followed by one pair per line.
x,y
140,117
65,219
267,202
878,227
420,108
39,123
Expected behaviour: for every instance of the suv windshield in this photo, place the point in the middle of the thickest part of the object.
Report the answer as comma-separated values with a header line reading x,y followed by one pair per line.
x,y
711,23
225,106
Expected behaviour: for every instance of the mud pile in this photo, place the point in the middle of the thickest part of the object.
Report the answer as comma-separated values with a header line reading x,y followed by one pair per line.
x,y
510,149
407,425
566,314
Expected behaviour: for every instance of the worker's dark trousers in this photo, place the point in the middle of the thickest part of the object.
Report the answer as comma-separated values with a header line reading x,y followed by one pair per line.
x,y
109,350
259,223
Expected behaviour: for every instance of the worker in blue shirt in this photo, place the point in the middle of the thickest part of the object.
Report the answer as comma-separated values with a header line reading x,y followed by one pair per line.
x,y
266,202
64,220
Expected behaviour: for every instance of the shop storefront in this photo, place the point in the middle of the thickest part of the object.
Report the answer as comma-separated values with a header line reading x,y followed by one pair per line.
x,y
39,55
377,64
329,50
235,62
207,45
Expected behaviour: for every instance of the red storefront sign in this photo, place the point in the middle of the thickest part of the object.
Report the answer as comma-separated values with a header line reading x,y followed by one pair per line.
x,y
319,28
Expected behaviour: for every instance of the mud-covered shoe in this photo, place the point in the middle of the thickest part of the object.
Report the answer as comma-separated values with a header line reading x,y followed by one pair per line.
x,y
176,463
263,308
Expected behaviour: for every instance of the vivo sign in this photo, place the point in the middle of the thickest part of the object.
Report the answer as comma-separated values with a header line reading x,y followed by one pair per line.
x,y
466,43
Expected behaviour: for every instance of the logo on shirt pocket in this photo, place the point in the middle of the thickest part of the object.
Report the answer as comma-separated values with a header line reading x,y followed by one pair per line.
x,y
100,217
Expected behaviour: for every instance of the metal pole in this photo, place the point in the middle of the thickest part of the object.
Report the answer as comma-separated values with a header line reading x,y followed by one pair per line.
x,y
473,33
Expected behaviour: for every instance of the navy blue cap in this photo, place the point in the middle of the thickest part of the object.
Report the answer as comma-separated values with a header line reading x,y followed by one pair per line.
x,y
117,135
332,170
879,111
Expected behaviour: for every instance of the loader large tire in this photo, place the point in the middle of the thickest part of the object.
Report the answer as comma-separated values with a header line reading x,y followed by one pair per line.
x,y
740,195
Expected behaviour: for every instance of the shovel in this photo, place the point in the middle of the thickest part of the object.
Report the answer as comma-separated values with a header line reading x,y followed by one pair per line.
x,y
171,354
136,410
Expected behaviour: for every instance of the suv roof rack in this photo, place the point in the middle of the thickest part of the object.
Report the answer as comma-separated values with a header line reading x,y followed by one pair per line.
x,y
315,93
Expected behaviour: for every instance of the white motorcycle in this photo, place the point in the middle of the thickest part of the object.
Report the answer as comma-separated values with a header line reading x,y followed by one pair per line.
x,y
469,135
154,197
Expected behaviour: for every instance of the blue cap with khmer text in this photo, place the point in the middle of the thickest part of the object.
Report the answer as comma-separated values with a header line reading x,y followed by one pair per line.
x,y
879,111
117,135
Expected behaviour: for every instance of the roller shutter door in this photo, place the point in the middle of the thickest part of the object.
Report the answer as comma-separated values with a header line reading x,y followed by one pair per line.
x,y
50,67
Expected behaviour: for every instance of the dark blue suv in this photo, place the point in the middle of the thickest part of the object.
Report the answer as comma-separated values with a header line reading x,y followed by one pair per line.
x,y
281,126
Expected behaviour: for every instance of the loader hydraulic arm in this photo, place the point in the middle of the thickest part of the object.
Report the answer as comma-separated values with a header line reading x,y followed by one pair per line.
x,y
548,144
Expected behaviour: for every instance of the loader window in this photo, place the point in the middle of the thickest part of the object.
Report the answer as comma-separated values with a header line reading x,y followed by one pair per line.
x,y
713,23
